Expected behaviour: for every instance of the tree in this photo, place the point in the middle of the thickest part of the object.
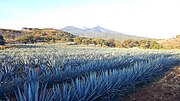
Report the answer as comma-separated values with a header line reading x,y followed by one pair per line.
x,y
97,41
86,41
27,38
7,36
94,41
53,40
23,39
150,44
178,36
2,41
155,45
145,44
118,44
63,39
77,40
130,43
109,43
38,39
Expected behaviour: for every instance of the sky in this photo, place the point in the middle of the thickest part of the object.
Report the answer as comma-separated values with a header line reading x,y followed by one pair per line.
x,y
147,18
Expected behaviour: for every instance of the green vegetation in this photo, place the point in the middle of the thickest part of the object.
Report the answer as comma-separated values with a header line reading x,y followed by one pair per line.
x,y
34,35
178,36
49,35
129,43
98,41
145,44
2,41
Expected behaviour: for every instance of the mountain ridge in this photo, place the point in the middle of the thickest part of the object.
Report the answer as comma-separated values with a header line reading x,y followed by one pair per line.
x,y
99,32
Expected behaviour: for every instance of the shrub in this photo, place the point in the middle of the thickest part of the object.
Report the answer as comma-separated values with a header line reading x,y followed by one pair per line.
x,y
2,41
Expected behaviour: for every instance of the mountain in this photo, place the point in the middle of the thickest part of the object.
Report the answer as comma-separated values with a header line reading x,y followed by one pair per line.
x,y
99,32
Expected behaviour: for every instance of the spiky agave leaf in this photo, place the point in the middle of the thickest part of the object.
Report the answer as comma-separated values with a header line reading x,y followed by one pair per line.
x,y
33,92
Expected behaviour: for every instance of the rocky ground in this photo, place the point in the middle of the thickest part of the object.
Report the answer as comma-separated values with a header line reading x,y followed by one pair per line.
x,y
165,89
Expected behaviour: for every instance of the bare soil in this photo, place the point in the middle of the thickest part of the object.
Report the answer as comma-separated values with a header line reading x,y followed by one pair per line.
x,y
165,89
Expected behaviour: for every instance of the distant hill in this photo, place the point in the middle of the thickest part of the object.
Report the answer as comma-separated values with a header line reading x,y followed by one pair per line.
x,y
170,43
99,32
11,35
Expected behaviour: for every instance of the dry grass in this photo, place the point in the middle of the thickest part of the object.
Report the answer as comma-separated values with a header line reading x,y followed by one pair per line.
x,y
170,43
4,47
166,89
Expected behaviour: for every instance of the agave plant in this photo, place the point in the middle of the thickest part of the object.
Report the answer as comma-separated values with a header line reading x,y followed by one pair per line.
x,y
33,92
111,85
83,73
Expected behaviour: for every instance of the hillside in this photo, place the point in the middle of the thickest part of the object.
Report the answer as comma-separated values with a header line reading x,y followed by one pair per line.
x,y
99,32
45,34
170,43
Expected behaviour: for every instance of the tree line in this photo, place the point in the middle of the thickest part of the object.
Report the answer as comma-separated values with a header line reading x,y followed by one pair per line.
x,y
129,43
53,35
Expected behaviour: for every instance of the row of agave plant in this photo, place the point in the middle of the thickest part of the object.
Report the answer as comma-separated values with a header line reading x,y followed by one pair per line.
x,y
107,85
45,78
56,72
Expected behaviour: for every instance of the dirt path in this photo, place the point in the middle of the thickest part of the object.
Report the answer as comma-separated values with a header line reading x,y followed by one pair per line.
x,y
166,89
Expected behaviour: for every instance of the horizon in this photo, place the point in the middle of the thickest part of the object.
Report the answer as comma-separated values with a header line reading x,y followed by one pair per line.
x,y
152,19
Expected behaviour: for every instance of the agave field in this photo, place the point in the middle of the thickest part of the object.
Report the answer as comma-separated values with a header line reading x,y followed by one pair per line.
x,y
55,73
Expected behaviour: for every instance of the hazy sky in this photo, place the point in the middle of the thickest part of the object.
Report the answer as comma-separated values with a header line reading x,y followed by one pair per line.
x,y
149,18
